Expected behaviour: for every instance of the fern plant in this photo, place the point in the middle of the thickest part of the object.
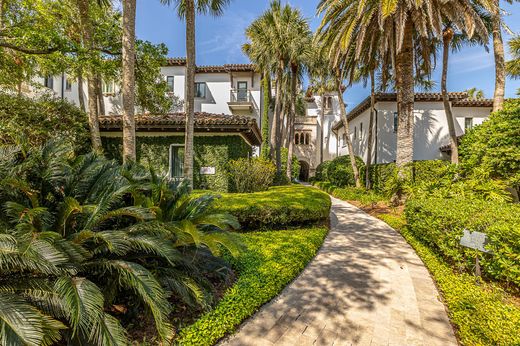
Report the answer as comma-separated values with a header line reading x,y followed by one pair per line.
x,y
82,238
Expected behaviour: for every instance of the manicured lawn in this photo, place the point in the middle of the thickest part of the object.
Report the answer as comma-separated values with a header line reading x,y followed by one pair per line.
x,y
278,207
271,261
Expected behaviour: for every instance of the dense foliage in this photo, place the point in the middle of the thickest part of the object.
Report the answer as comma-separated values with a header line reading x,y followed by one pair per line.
x,y
483,313
271,261
365,197
339,171
440,223
251,174
88,245
494,146
278,207
41,119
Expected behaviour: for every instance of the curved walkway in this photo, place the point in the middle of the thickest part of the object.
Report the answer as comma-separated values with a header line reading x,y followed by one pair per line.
x,y
366,286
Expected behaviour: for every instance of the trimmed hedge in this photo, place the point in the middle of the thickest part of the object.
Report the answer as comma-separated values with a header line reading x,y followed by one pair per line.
x,y
271,261
277,207
365,197
440,223
483,313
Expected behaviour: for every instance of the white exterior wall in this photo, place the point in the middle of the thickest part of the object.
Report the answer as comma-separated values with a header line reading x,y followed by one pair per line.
x,y
430,131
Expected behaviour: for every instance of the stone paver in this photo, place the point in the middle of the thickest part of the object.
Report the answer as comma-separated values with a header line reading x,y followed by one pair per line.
x,y
366,286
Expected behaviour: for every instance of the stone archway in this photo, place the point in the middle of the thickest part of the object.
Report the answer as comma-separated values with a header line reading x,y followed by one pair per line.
x,y
304,171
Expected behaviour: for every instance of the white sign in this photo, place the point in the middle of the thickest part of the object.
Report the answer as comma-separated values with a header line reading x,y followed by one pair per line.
x,y
207,170
474,240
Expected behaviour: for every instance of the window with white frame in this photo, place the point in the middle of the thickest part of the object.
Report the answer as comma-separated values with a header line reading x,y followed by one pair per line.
x,y
169,82
327,102
176,161
200,90
468,123
107,87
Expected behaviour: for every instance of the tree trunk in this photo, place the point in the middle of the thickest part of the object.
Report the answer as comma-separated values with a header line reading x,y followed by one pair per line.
x,y
447,36
81,92
129,8
99,94
322,119
368,183
86,32
264,152
405,100
190,91
500,65
276,141
290,121
284,122
343,113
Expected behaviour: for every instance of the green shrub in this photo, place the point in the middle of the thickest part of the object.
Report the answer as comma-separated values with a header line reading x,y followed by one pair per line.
x,y
380,173
282,178
277,207
483,313
30,121
272,260
339,171
251,175
440,223
365,197
494,146
321,171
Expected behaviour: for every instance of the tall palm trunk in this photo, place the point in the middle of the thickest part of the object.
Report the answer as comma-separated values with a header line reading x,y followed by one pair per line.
x,y
500,65
344,119
322,119
190,91
86,33
81,92
264,153
99,94
368,183
128,80
447,36
290,121
276,140
405,99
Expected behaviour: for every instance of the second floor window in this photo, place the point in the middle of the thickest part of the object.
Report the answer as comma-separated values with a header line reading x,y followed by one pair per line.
x,y
108,87
302,138
241,91
360,130
68,84
327,102
344,139
355,132
396,121
169,81
48,82
468,123
200,90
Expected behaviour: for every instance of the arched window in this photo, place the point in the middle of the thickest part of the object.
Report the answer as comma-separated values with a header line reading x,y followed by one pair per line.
x,y
355,132
296,138
307,138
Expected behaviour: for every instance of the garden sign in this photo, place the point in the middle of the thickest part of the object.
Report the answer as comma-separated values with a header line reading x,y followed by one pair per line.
x,y
477,241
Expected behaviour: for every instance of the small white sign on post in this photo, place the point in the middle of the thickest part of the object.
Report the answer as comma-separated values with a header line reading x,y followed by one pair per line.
x,y
474,240
207,170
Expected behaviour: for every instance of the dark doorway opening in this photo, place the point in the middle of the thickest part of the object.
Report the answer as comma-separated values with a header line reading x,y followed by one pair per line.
x,y
304,171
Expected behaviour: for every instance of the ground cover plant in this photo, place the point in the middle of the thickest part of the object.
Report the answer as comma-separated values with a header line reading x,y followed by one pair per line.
x,y
271,261
277,207
88,246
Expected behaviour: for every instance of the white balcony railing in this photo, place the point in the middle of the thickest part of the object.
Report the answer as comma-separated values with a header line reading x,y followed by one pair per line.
x,y
241,96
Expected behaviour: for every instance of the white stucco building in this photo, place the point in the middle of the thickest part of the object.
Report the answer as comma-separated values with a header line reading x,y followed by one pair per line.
x,y
430,131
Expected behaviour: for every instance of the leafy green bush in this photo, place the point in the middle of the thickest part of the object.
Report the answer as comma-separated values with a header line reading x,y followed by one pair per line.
x,y
31,122
271,261
494,146
483,313
321,171
440,223
365,197
339,171
251,175
83,237
282,178
277,207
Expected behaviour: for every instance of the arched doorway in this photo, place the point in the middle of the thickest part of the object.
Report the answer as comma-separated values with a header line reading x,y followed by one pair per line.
x,y
304,171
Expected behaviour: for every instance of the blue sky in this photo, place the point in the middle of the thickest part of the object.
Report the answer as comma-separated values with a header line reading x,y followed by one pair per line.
x,y
219,41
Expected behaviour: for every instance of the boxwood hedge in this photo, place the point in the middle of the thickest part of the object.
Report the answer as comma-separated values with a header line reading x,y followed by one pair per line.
x,y
272,260
280,206
440,223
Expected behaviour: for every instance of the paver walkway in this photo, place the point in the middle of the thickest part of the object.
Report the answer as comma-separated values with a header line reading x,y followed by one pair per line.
x,y
366,286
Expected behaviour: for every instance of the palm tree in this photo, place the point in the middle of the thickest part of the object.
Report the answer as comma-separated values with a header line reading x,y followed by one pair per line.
x,y
401,28
87,41
129,9
82,237
475,94
513,66
186,10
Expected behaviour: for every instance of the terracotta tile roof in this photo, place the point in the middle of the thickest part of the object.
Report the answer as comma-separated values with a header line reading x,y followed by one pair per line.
x,y
458,99
226,68
176,122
